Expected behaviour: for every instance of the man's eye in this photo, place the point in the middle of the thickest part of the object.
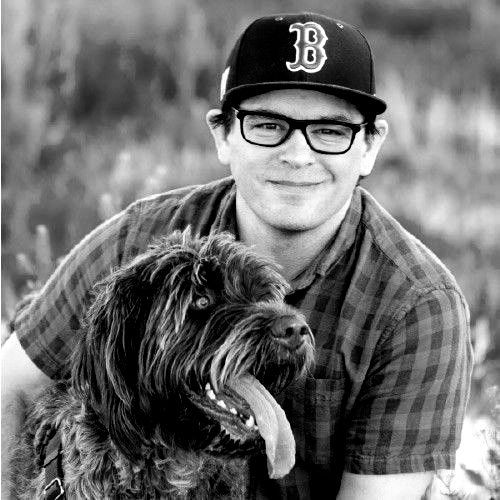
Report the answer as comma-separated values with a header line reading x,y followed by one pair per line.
x,y
330,131
268,126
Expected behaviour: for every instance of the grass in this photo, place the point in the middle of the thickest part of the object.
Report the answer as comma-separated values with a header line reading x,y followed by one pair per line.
x,y
104,102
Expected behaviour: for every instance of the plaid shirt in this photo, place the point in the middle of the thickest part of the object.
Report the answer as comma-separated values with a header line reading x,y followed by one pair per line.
x,y
393,360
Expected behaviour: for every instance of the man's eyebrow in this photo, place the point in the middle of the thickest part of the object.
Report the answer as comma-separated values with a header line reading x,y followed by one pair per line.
x,y
340,116
345,117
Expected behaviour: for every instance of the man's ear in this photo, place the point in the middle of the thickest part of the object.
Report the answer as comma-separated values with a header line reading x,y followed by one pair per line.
x,y
373,145
220,137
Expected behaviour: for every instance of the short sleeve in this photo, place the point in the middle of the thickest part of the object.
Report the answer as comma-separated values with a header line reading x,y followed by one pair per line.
x,y
48,328
409,414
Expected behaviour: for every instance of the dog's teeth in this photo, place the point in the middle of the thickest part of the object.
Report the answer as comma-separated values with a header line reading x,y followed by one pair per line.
x,y
233,411
221,404
250,422
211,394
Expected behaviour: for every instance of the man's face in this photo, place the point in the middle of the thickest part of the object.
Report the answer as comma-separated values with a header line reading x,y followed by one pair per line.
x,y
291,187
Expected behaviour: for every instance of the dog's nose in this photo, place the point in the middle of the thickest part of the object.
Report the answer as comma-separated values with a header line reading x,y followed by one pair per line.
x,y
290,331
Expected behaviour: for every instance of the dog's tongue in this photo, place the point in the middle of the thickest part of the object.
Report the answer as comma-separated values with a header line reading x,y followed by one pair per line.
x,y
273,425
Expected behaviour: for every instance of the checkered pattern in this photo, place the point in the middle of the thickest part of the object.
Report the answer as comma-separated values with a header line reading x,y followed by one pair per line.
x,y
393,363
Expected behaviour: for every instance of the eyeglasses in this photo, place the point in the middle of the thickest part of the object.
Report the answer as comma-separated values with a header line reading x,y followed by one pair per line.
x,y
332,137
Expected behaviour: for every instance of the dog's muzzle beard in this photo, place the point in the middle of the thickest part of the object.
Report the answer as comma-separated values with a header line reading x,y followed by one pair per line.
x,y
272,345
183,350
266,342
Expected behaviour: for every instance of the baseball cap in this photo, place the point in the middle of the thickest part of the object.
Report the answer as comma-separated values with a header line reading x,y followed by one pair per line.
x,y
306,51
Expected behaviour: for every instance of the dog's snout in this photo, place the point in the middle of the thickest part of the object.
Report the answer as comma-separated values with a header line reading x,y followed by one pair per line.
x,y
290,331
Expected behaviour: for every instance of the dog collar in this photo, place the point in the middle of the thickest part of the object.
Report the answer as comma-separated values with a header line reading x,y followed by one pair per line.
x,y
52,464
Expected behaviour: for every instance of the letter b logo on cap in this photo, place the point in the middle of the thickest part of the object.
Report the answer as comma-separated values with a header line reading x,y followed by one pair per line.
x,y
310,55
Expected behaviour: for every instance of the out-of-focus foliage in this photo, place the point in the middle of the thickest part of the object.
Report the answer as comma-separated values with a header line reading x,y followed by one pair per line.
x,y
103,101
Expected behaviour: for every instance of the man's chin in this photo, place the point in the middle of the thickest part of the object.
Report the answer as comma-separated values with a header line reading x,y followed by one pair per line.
x,y
292,224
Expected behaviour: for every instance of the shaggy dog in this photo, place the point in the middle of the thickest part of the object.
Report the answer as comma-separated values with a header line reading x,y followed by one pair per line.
x,y
171,383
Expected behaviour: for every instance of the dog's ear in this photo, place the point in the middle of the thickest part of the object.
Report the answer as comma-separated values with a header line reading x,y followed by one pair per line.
x,y
105,364
207,273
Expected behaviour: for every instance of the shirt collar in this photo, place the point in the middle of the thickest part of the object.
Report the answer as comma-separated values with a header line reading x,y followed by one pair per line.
x,y
225,219
338,245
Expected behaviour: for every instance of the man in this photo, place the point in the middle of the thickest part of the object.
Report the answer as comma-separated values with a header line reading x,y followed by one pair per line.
x,y
298,128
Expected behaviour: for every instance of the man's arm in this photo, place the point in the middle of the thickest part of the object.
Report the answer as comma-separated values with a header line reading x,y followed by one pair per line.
x,y
384,487
50,325
22,380
407,422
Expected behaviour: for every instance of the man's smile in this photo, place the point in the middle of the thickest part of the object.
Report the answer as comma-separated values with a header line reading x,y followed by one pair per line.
x,y
295,184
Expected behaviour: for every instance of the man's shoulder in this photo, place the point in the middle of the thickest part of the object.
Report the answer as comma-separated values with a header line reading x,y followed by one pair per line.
x,y
196,205
396,247
195,194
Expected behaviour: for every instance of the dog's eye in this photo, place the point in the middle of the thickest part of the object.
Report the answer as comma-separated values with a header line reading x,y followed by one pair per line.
x,y
202,302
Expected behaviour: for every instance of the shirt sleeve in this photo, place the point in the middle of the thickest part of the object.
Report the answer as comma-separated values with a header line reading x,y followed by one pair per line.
x,y
48,328
409,415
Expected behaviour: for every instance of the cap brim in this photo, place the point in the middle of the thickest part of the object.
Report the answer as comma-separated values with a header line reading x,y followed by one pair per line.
x,y
363,101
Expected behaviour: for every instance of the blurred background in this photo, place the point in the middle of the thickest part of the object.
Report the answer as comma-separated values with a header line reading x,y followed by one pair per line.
x,y
103,101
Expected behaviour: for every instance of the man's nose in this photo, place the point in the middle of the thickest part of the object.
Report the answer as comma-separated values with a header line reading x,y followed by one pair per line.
x,y
296,150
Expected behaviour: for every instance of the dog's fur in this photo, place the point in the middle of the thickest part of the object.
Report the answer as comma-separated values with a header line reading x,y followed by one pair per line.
x,y
135,420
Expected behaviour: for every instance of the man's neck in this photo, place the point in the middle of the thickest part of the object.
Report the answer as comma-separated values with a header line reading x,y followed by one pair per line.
x,y
292,250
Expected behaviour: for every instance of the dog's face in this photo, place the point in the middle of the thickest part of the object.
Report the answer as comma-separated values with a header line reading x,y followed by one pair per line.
x,y
171,334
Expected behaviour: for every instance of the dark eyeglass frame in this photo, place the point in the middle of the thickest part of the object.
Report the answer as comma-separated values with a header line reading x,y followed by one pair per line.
x,y
297,125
